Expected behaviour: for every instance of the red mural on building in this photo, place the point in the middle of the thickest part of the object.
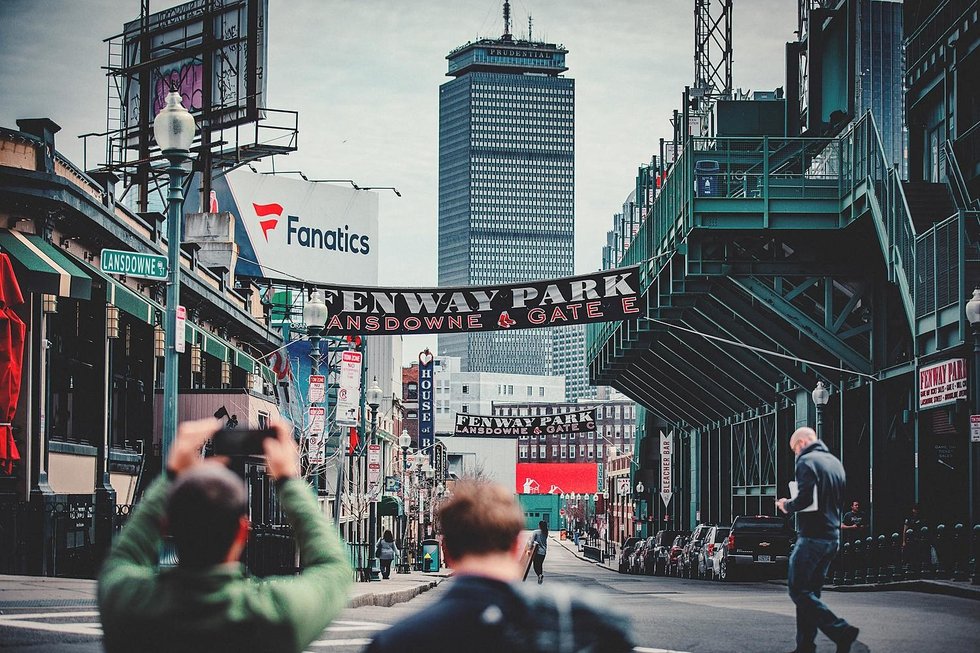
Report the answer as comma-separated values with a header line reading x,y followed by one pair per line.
x,y
557,478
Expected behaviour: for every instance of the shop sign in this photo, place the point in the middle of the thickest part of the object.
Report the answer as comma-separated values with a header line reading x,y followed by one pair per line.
x,y
942,383
581,421
666,479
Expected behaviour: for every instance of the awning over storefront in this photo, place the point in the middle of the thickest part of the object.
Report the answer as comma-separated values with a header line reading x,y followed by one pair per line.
x,y
225,351
43,268
126,299
390,507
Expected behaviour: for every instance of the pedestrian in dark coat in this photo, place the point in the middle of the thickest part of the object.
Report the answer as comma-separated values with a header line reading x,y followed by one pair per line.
x,y
387,552
486,609
539,549
820,476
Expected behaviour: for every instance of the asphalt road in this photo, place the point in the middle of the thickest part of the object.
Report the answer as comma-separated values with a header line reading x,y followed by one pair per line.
x,y
668,614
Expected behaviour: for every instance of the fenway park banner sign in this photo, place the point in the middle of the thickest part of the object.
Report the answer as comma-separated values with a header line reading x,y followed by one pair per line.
x,y
611,295
582,421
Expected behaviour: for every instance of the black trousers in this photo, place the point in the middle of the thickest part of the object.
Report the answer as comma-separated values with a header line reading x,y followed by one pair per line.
x,y
385,567
538,562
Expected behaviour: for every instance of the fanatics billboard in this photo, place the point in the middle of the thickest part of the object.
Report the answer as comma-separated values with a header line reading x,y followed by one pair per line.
x,y
291,230
611,295
557,478
582,421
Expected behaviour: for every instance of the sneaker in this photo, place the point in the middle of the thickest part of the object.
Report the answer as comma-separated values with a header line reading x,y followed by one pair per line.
x,y
540,578
846,639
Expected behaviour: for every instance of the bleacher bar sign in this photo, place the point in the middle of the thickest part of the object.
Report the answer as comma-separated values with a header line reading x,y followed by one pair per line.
x,y
611,295
666,473
942,383
582,421
133,264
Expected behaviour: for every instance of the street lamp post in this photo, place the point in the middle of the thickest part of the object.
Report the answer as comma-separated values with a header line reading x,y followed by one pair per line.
x,y
821,395
373,401
315,317
973,317
404,441
173,129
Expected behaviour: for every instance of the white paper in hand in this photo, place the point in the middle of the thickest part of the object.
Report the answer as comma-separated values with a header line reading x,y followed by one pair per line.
x,y
794,490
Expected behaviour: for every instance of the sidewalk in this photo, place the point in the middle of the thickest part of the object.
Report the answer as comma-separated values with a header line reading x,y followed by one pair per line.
x,y
43,592
960,589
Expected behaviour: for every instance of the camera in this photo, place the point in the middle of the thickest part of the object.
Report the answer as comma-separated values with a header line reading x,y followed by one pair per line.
x,y
241,442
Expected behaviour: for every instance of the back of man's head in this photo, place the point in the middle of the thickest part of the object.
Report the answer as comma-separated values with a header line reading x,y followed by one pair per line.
x,y
479,518
204,510
802,436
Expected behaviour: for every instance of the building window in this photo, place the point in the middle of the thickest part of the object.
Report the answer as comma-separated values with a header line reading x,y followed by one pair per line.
x,y
564,451
591,451
534,452
554,451
598,450
530,391
541,391
544,451
581,450
466,408
571,452
523,452
466,389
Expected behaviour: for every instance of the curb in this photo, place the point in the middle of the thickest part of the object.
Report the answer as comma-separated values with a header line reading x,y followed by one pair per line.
x,y
571,549
966,591
388,599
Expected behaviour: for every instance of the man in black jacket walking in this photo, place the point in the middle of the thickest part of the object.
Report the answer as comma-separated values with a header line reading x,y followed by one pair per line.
x,y
820,477
486,609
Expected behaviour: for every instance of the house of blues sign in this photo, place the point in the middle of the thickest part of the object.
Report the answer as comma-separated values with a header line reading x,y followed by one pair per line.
x,y
611,295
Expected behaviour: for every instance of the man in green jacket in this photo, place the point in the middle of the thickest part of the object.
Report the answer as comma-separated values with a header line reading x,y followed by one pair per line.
x,y
207,603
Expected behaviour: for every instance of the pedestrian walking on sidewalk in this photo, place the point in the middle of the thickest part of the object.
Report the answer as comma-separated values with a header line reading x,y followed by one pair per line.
x,y
820,483
386,552
487,609
207,603
539,549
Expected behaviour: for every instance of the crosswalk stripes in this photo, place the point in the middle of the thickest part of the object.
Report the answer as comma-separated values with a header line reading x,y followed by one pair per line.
x,y
33,621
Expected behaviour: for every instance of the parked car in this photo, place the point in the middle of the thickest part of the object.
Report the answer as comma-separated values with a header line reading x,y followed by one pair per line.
x,y
643,563
660,550
689,563
755,543
674,555
625,552
712,550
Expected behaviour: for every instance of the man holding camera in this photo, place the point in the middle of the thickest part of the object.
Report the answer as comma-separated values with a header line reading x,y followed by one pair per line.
x,y
207,603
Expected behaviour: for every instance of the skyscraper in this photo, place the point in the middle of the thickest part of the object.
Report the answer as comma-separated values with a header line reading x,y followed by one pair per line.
x,y
506,184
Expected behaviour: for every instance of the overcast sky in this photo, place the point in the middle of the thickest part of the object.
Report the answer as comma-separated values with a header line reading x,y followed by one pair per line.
x,y
364,76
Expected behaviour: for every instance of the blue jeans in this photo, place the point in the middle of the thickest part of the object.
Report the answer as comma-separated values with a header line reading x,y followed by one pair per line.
x,y
808,565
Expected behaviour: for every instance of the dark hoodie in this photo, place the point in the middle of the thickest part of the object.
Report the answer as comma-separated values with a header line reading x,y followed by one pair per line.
x,y
817,466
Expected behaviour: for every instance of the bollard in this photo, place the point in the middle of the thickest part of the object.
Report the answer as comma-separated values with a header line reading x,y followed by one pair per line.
x,y
896,556
847,562
960,552
942,555
870,560
858,552
925,553
837,577
884,573
910,561
975,554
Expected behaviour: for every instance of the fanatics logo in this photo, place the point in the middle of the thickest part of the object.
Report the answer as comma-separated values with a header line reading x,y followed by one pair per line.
x,y
263,210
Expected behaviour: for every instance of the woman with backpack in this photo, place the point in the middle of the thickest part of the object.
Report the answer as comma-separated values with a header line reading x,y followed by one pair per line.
x,y
386,552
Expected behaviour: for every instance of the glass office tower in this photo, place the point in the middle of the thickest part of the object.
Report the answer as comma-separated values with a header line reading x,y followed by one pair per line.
x,y
506,186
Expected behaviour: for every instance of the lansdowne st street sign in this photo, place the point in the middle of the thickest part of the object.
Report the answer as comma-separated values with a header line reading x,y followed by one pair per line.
x,y
134,264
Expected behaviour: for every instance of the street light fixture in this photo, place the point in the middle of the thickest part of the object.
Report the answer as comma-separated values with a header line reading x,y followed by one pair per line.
x,y
973,317
174,130
373,399
404,442
821,395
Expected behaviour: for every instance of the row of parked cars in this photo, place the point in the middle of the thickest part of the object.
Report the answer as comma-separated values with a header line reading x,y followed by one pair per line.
x,y
757,544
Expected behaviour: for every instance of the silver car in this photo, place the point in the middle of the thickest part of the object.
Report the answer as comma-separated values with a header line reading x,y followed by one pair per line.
x,y
711,555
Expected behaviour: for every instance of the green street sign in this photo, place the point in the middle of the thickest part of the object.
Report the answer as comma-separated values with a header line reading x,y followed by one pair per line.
x,y
134,264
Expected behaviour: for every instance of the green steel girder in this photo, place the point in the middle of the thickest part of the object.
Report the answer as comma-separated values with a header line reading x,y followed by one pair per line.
x,y
700,349
657,394
691,379
741,255
806,325
676,390
639,390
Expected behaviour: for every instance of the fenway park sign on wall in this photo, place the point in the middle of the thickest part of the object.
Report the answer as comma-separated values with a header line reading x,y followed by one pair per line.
x,y
611,295
582,421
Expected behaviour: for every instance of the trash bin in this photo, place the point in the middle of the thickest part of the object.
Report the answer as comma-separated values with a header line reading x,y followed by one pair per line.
x,y
430,555
708,177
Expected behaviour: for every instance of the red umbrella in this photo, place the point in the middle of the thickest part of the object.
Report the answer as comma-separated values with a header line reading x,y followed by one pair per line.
x,y
12,333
